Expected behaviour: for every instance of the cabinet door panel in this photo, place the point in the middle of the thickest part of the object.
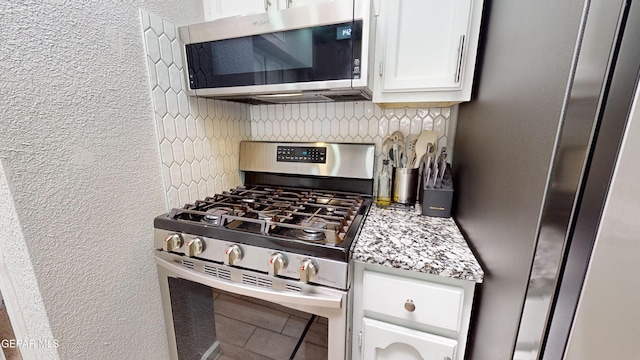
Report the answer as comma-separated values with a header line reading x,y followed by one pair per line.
x,y
216,9
424,44
433,304
383,341
285,4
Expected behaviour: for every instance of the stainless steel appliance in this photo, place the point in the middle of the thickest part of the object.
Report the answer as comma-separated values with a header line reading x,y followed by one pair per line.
x,y
535,150
316,53
241,272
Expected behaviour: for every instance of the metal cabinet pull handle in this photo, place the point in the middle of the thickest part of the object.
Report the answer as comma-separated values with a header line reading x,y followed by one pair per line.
x,y
458,73
409,305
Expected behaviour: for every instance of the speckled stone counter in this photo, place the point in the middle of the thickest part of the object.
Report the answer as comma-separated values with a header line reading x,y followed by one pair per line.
x,y
404,239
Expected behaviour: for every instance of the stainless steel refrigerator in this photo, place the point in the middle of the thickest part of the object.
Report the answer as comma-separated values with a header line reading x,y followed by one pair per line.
x,y
535,150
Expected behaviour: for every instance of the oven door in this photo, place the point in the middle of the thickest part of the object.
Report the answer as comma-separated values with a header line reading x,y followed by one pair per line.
x,y
215,310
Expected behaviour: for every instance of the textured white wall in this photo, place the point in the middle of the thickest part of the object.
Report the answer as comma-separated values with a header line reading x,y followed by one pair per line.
x,y
18,282
78,149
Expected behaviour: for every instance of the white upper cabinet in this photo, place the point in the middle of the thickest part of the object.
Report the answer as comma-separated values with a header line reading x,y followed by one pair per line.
x,y
216,9
284,4
426,50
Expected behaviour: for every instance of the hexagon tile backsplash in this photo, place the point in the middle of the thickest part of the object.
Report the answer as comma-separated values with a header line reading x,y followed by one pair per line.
x,y
198,138
359,122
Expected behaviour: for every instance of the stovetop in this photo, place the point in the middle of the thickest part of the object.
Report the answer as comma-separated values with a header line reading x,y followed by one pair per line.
x,y
305,221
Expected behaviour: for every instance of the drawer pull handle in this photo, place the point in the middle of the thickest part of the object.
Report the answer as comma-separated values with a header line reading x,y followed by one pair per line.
x,y
409,305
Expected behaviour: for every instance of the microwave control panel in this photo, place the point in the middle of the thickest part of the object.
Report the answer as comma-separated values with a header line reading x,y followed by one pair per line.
x,y
316,155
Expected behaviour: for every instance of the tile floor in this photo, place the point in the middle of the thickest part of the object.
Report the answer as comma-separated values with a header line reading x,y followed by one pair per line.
x,y
251,329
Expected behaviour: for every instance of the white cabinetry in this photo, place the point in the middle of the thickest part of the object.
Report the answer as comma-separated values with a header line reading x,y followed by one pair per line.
x,y
399,314
386,341
284,4
216,9
426,50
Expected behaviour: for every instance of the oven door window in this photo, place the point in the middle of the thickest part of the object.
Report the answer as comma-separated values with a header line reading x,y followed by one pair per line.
x,y
212,324
318,53
193,320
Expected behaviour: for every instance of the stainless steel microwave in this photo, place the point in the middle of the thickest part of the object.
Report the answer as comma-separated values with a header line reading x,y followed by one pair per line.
x,y
315,53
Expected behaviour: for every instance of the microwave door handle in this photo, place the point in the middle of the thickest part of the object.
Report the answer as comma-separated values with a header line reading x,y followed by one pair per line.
x,y
319,300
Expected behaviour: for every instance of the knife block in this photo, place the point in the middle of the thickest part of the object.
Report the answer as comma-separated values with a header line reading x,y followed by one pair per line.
x,y
437,201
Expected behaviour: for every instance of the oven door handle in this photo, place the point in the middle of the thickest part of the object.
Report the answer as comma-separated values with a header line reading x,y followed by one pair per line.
x,y
329,299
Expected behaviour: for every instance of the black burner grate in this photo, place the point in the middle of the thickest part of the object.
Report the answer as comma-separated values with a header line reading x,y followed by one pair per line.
x,y
291,213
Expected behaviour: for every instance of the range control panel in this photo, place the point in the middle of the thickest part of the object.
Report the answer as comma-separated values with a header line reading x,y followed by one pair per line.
x,y
302,154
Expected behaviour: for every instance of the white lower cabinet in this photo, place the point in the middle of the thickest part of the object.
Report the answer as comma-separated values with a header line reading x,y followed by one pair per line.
x,y
383,341
406,315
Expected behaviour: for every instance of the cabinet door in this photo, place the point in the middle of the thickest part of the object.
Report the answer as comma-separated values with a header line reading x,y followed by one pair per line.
x,y
424,44
216,9
383,341
285,4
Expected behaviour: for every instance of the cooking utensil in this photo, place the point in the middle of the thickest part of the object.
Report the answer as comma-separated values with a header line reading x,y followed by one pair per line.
x,y
424,139
443,163
436,169
395,150
427,166
397,139
386,148
410,149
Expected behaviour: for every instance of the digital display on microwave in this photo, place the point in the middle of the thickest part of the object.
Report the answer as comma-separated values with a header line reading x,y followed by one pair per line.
x,y
343,32
318,53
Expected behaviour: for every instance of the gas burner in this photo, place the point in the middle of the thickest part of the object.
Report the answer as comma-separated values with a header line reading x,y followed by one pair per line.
x,y
264,216
269,215
214,215
313,223
310,235
312,229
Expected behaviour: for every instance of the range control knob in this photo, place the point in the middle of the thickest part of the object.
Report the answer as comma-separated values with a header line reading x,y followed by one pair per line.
x,y
307,270
277,263
195,247
172,242
232,254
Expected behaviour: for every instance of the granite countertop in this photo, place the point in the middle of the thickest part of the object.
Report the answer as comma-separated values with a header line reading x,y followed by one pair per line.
x,y
404,239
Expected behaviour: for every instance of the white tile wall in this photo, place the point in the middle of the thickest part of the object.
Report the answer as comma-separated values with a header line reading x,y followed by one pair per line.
x,y
198,138
360,121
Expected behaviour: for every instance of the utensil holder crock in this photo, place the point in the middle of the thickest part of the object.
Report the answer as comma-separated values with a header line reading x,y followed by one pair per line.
x,y
405,185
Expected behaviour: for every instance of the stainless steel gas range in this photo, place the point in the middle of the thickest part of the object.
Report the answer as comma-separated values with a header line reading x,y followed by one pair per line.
x,y
253,270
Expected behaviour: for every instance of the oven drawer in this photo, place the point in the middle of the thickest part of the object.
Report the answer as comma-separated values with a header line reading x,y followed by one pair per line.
x,y
413,300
